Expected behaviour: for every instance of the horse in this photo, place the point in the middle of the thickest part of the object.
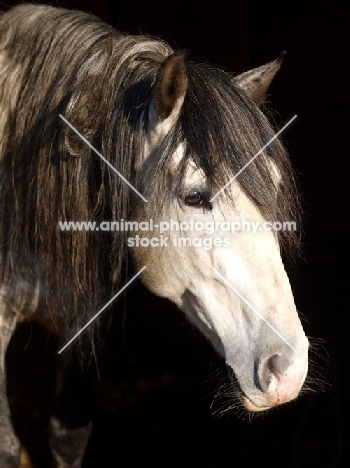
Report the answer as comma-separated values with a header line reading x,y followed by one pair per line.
x,y
123,130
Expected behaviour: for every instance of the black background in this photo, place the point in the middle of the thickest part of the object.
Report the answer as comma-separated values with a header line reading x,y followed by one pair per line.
x,y
152,406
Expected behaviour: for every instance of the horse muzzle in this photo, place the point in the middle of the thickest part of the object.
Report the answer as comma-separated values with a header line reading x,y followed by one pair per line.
x,y
275,379
277,386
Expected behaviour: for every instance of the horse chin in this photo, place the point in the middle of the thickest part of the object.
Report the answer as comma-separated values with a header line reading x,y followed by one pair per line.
x,y
247,403
252,407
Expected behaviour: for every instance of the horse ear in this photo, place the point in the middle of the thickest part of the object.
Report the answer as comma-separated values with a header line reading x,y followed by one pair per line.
x,y
256,82
171,85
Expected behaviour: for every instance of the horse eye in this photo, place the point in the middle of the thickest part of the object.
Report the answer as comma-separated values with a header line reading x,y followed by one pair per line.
x,y
194,198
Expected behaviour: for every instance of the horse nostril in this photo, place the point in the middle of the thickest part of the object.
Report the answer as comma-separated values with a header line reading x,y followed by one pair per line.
x,y
274,365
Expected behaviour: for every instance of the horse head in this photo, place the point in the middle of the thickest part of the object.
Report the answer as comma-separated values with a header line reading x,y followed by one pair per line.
x,y
228,277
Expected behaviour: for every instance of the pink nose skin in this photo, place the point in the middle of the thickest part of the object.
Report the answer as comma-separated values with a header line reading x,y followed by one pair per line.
x,y
281,388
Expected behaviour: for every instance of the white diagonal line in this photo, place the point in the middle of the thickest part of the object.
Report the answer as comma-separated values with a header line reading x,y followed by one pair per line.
x,y
103,308
253,158
253,308
104,159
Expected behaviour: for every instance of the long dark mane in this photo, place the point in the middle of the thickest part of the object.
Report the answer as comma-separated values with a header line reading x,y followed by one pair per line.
x,y
55,61
66,62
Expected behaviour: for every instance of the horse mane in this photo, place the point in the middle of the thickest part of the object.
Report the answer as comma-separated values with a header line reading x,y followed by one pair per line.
x,y
55,61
